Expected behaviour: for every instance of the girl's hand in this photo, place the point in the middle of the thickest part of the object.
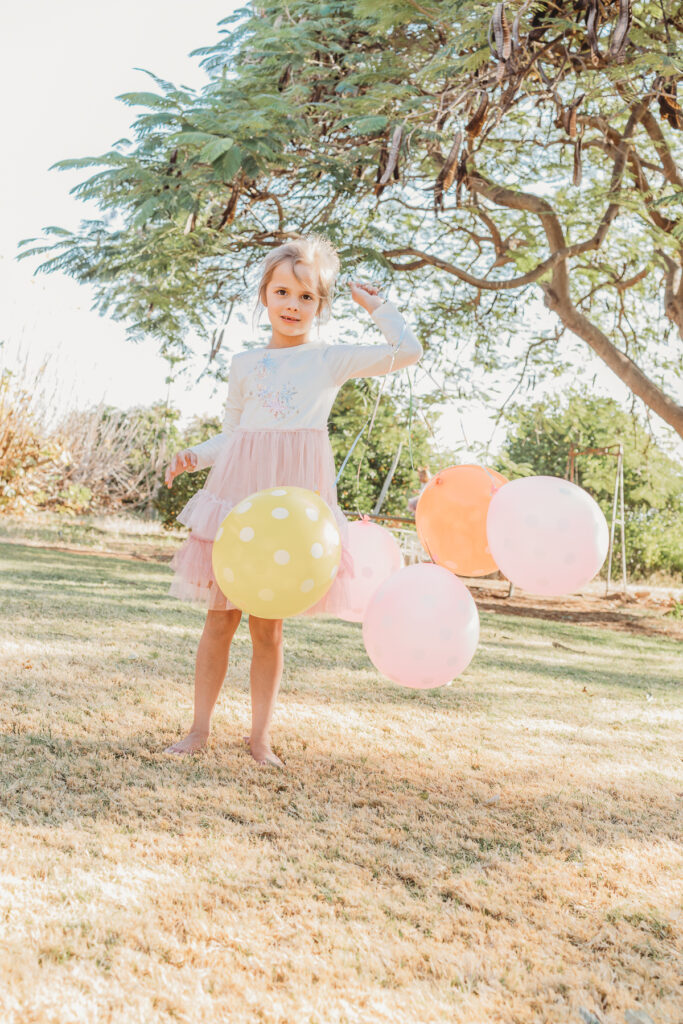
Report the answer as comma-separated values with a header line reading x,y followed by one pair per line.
x,y
366,295
180,463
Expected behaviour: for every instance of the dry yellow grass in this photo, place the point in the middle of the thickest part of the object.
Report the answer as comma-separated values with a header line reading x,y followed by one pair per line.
x,y
501,850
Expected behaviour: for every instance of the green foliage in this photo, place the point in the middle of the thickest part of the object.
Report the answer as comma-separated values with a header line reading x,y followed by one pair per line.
x,y
538,443
153,424
654,541
74,499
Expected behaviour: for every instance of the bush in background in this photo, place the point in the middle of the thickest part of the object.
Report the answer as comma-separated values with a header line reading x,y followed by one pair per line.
x,y
25,448
100,459
109,459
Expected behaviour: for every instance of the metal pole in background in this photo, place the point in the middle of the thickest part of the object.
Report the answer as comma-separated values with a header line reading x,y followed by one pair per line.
x,y
618,516
612,525
620,470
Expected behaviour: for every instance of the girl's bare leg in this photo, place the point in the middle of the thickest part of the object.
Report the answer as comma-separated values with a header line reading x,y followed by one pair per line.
x,y
265,675
210,668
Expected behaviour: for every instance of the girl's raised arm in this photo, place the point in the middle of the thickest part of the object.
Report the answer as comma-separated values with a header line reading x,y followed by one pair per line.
x,y
403,349
206,451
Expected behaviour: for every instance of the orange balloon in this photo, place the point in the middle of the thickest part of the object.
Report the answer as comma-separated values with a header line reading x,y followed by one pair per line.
x,y
451,518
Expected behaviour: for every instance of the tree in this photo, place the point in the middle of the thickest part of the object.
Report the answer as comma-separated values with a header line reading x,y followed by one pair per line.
x,y
431,141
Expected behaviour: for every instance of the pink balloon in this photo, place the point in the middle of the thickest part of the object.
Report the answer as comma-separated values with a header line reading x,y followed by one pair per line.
x,y
376,556
547,535
421,628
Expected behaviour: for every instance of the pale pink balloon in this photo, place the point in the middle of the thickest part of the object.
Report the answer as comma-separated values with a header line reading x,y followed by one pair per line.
x,y
421,627
376,556
547,535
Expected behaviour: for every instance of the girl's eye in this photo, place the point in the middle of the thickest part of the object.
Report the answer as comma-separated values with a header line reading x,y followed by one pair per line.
x,y
278,290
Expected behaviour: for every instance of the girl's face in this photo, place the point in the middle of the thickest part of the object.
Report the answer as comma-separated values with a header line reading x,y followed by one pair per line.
x,y
291,303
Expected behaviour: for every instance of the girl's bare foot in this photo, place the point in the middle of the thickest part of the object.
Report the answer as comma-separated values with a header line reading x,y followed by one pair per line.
x,y
262,754
191,743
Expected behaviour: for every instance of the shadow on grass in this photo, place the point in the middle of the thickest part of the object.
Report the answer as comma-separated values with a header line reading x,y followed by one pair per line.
x,y
397,815
636,624
323,798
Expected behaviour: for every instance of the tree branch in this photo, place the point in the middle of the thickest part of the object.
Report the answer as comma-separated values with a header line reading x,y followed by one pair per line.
x,y
669,166
558,299
673,291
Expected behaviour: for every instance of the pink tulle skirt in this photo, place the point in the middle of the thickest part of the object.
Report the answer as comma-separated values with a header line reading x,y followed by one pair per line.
x,y
251,461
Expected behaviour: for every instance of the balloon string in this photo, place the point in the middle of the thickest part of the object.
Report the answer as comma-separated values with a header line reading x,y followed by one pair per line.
x,y
410,421
350,452
495,484
371,422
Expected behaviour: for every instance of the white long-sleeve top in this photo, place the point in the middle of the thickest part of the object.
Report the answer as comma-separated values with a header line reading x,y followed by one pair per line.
x,y
295,388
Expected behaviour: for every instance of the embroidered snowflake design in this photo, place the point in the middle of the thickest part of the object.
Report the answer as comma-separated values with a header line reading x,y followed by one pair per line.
x,y
274,396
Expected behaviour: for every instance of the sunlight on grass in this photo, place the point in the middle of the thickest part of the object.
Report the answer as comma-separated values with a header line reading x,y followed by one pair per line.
x,y
501,849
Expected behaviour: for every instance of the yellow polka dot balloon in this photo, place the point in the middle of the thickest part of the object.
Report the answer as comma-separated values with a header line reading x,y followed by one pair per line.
x,y
277,552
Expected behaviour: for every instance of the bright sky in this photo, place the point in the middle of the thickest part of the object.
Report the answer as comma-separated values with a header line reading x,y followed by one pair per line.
x,y
61,67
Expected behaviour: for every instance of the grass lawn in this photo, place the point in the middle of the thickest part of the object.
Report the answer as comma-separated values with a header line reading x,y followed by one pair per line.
x,y
504,849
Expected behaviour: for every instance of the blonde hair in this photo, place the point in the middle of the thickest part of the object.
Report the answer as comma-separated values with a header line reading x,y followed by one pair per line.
x,y
313,251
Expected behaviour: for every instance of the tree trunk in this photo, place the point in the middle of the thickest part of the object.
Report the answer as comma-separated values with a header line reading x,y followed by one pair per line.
x,y
620,364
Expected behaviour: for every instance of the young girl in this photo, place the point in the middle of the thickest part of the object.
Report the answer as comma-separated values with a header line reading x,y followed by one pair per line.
x,y
274,433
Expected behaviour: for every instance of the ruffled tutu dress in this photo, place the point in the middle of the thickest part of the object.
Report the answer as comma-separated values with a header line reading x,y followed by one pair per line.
x,y
274,435
250,461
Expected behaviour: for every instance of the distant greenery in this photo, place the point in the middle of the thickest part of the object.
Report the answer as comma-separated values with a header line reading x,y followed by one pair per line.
x,y
538,443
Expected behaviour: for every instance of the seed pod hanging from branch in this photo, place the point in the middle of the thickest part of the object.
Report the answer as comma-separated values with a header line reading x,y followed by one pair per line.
x,y
475,125
669,107
284,78
567,117
392,162
592,25
229,212
578,165
617,47
381,167
461,175
500,30
447,173
515,24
